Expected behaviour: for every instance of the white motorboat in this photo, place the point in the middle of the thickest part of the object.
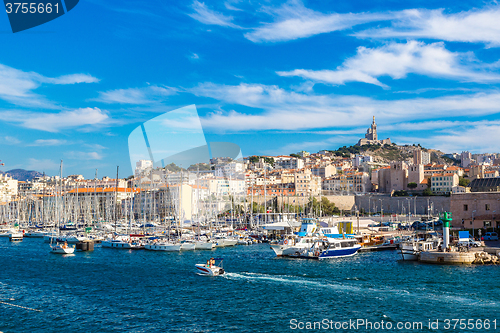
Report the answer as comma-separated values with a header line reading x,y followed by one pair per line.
x,y
62,249
163,246
410,250
290,246
16,236
211,268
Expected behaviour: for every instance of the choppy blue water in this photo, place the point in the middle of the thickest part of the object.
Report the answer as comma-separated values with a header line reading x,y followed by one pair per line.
x,y
110,290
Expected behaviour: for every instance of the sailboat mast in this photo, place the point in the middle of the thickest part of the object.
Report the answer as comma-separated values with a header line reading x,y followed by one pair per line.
x,y
116,196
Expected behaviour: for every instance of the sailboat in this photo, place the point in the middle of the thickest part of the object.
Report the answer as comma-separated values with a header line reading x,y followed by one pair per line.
x,y
58,248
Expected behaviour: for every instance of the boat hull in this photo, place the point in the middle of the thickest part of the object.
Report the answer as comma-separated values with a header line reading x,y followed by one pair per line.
x,y
16,237
339,253
163,247
203,269
204,246
188,246
121,245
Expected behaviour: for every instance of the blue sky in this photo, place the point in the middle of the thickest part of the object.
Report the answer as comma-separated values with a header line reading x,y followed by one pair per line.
x,y
274,77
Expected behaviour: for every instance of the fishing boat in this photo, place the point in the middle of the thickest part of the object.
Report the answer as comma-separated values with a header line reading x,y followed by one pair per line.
x,y
411,248
213,267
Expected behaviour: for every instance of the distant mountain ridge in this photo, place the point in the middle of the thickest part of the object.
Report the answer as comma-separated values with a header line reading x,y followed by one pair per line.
x,y
23,175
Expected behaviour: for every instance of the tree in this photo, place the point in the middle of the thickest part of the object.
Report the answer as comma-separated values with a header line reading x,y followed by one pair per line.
x,y
427,192
269,160
253,159
463,181
295,155
412,185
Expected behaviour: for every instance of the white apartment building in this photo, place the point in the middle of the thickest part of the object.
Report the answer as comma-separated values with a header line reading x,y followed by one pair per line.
x,y
8,188
142,165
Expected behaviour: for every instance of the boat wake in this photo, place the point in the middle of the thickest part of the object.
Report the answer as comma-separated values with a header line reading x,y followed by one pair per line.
x,y
344,287
287,279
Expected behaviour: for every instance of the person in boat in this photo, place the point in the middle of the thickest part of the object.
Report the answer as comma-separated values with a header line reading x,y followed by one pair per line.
x,y
65,245
208,263
212,262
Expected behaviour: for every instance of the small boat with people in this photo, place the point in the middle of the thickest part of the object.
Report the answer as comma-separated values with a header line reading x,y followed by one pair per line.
x,y
213,267
62,248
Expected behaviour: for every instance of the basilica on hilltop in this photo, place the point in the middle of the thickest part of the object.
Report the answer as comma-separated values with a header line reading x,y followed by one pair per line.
x,y
371,137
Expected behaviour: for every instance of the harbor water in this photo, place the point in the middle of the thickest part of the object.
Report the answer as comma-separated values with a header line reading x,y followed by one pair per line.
x,y
110,290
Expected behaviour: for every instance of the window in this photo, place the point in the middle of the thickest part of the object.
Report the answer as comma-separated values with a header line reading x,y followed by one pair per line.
x,y
487,224
466,208
487,206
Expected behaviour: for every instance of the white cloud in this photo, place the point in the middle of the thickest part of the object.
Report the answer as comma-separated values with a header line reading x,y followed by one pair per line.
x,y
17,86
71,79
9,140
285,110
398,60
294,21
144,95
79,155
55,122
49,142
470,26
194,56
207,16
476,137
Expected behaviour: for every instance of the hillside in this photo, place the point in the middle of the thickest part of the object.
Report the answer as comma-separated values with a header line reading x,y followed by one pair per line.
x,y
21,174
391,153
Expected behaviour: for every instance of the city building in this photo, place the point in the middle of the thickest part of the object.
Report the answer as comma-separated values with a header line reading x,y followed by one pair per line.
x,y
443,182
476,210
465,159
141,166
421,157
8,188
